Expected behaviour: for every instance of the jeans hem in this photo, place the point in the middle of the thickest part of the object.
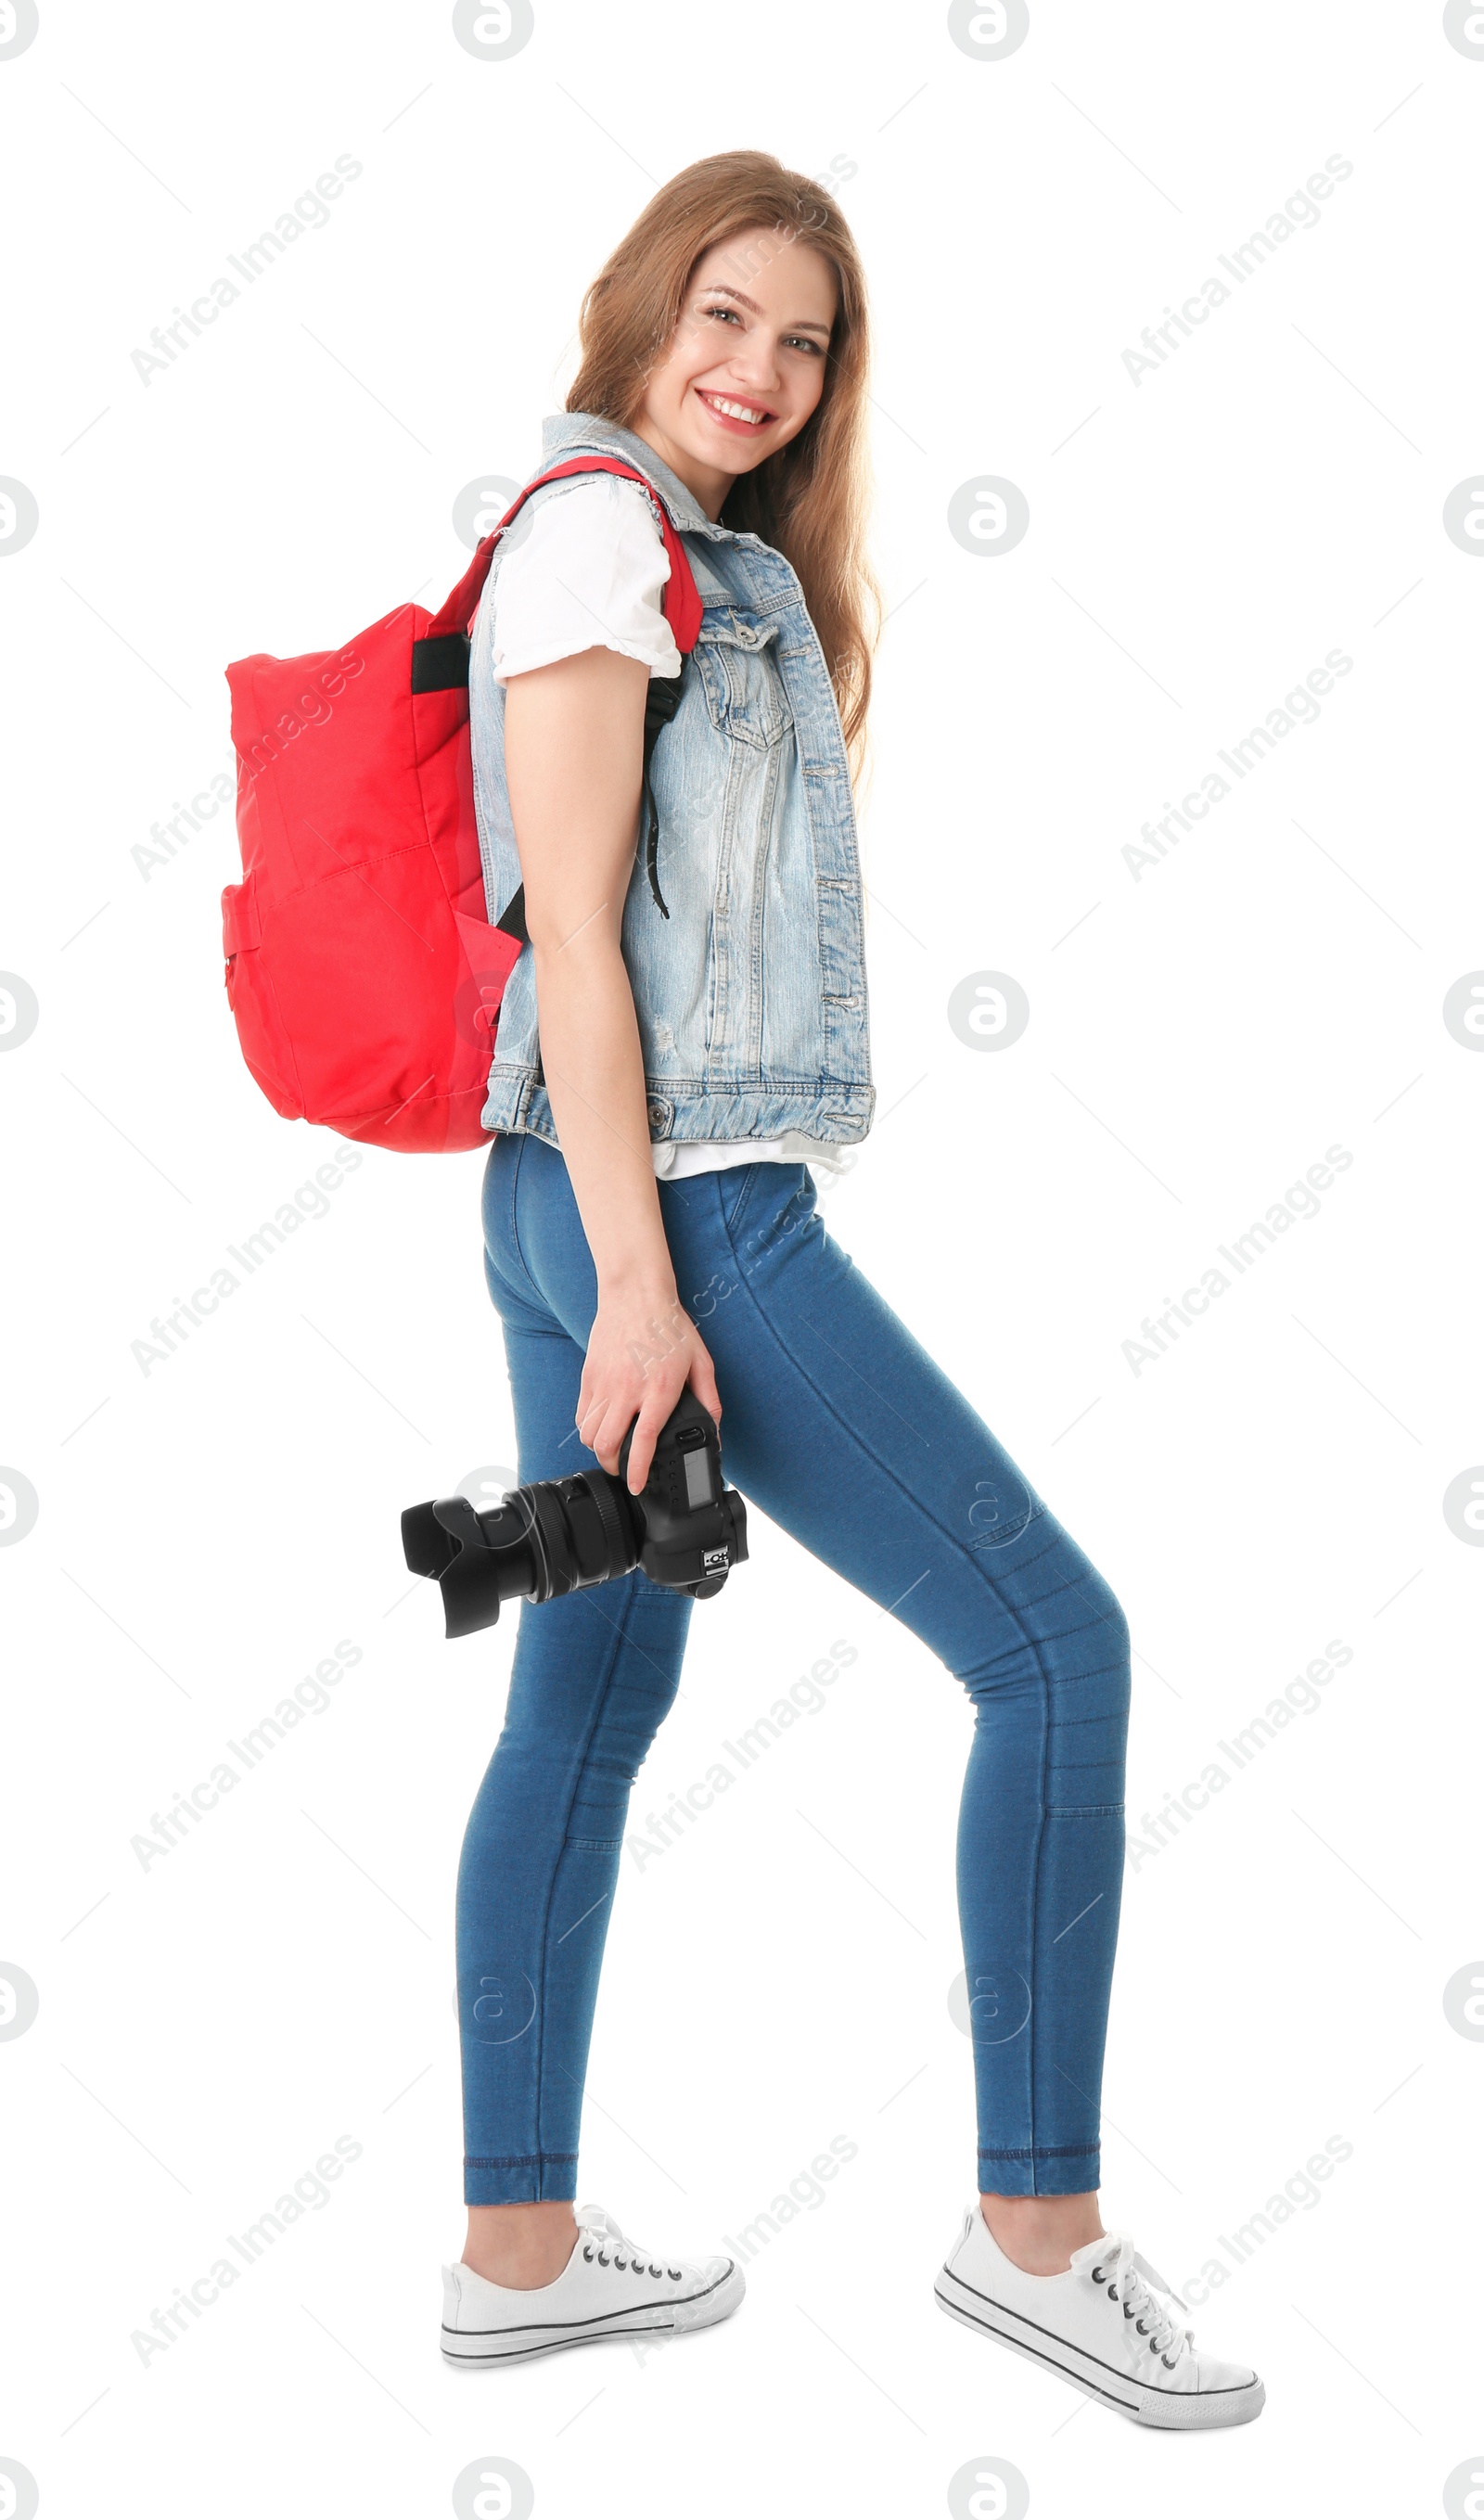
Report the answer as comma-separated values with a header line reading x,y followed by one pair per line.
x,y
1041,2170
519,2179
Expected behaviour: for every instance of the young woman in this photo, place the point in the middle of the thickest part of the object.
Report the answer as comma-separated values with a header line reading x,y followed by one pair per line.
x,y
681,1045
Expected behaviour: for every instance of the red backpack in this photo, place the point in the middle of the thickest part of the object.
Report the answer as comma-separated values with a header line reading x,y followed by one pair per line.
x,y
362,970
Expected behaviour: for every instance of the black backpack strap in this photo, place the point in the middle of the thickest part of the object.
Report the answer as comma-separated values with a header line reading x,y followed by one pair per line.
x,y
660,706
511,917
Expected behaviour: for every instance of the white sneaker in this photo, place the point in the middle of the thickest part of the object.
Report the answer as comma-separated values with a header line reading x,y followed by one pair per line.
x,y
610,2285
1139,2360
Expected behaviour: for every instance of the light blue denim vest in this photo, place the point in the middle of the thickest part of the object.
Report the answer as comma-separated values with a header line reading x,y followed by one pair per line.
x,y
751,996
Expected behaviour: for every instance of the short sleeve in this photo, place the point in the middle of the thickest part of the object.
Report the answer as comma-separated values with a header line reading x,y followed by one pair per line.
x,y
584,569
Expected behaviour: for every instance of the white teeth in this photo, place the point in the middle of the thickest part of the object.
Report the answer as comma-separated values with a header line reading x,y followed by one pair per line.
x,y
735,410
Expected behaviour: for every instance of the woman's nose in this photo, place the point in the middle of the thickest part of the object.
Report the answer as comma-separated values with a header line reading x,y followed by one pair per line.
x,y
756,363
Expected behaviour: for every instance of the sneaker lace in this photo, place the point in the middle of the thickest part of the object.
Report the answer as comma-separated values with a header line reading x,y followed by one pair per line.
x,y
1133,2284
604,2244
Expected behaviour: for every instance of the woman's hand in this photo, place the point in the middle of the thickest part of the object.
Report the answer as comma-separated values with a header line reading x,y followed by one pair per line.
x,y
642,1351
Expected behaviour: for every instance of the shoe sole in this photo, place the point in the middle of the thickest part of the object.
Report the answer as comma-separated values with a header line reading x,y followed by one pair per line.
x,y
1191,2410
469,2348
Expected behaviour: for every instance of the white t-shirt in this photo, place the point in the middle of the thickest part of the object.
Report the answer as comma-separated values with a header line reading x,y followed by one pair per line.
x,y
588,570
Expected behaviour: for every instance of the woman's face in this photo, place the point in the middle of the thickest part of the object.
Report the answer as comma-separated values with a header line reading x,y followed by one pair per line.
x,y
746,366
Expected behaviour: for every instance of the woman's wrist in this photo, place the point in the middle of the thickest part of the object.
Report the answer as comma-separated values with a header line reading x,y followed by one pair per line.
x,y
650,1283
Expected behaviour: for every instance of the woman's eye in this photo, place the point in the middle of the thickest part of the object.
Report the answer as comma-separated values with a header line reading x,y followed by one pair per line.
x,y
790,341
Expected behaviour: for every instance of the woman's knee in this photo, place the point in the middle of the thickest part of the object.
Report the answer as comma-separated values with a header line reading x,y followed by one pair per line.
x,y
1102,1666
1062,1689
1111,1618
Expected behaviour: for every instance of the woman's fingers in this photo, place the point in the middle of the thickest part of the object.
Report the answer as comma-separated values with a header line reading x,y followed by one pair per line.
x,y
656,1408
702,1379
613,1396
603,1431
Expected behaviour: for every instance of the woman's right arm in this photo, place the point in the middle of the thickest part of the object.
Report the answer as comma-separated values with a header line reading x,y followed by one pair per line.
x,y
573,761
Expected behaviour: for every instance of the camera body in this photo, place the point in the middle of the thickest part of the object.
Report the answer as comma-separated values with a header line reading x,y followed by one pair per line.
x,y
685,1529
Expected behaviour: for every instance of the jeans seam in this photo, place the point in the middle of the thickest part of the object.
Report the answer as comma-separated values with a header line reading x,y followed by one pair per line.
x,y
963,1547
748,1185
1040,2152
513,2160
974,1560
1035,1895
616,1631
965,1551
514,1229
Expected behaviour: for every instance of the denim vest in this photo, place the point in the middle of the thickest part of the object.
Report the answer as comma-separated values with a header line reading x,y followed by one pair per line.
x,y
751,996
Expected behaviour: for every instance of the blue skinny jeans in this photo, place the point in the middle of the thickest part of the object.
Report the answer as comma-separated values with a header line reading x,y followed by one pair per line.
x,y
844,1431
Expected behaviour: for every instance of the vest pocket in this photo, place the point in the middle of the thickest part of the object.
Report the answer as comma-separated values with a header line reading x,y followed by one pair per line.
x,y
744,688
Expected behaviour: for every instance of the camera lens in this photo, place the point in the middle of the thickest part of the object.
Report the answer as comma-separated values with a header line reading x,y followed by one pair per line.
x,y
558,1536
553,1537
582,1531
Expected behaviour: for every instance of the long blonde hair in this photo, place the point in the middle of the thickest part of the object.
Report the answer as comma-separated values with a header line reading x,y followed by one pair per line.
x,y
811,500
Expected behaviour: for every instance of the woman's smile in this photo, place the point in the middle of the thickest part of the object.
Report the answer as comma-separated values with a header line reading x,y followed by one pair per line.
x,y
745,418
746,366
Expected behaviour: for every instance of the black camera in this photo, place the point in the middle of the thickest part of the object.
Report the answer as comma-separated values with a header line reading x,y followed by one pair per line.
x,y
556,1536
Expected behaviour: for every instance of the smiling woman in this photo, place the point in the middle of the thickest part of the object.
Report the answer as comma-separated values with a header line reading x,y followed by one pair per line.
x,y
673,1058
728,307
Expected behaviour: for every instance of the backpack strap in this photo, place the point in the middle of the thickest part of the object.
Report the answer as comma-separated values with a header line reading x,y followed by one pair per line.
x,y
681,600
440,659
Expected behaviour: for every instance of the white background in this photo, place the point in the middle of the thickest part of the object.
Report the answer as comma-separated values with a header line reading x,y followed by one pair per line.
x,y
210,1530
